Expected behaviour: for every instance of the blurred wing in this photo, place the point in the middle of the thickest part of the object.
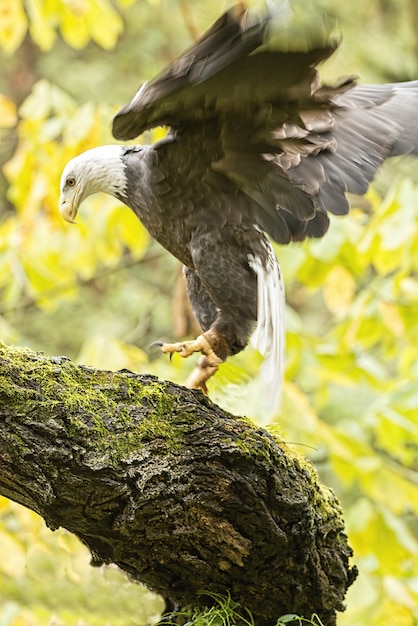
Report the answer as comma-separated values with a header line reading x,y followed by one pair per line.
x,y
219,74
287,146
173,96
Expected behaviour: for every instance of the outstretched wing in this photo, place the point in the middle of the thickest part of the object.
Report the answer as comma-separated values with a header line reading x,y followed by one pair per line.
x,y
292,146
219,75
181,93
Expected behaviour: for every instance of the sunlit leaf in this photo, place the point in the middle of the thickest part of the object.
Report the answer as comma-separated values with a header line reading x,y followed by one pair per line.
x,y
8,112
362,600
44,100
93,19
44,16
339,289
13,562
105,23
398,593
74,27
79,125
13,25
326,249
107,352
124,226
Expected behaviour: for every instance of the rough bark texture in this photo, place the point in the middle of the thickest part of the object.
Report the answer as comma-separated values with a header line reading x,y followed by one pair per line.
x,y
180,495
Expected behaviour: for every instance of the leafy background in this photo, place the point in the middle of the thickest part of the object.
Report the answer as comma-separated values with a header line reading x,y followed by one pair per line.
x,y
102,291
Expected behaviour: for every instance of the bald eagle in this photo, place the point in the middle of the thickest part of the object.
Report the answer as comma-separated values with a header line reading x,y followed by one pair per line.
x,y
257,147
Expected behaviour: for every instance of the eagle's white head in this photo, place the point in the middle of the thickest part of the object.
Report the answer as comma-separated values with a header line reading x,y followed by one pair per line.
x,y
97,170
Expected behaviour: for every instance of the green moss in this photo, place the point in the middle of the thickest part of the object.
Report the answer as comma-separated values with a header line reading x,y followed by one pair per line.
x,y
116,428
257,444
323,502
114,411
252,446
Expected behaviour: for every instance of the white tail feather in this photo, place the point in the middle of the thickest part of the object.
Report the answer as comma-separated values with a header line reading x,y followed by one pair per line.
x,y
269,335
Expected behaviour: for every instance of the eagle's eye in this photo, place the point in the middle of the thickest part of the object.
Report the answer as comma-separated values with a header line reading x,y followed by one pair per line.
x,y
70,181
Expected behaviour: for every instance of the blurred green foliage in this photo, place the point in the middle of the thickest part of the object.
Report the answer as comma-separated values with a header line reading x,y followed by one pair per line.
x,y
101,292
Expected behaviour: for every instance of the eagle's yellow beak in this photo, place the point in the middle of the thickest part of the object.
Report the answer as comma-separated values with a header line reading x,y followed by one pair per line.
x,y
68,208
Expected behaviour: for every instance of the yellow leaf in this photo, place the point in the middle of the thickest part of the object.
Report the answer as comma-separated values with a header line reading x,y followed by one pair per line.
x,y
8,112
124,226
408,288
399,594
386,485
74,28
38,103
159,133
387,260
361,600
108,352
43,16
13,25
18,170
392,611
83,20
13,556
79,126
295,403
37,557
327,248
391,318
339,289
104,23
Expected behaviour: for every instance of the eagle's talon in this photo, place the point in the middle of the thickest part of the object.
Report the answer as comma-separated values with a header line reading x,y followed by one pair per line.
x,y
206,366
187,348
156,344
171,348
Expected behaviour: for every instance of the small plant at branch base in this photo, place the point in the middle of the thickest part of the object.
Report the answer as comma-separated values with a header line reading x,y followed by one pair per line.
x,y
293,619
223,613
227,612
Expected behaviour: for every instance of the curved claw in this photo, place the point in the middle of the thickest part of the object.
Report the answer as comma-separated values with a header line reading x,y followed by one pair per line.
x,y
156,344
171,348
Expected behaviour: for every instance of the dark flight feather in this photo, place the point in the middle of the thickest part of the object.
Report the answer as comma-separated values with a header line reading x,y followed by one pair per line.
x,y
294,147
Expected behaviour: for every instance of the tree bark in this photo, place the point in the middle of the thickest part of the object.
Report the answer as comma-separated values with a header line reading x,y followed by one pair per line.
x,y
180,495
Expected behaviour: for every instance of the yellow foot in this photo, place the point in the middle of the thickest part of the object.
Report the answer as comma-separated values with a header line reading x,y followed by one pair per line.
x,y
207,364
201,373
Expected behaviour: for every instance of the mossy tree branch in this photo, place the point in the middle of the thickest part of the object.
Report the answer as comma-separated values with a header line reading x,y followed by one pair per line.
x,y
160,481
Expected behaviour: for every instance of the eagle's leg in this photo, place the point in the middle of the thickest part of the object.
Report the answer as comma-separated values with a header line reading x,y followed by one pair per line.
x,y
222,290
210,344
208,362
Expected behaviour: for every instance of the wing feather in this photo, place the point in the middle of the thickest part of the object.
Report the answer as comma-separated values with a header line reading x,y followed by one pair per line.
x,y
282,148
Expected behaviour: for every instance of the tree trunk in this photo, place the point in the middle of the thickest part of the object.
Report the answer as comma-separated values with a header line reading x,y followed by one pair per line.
x,y
180,495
